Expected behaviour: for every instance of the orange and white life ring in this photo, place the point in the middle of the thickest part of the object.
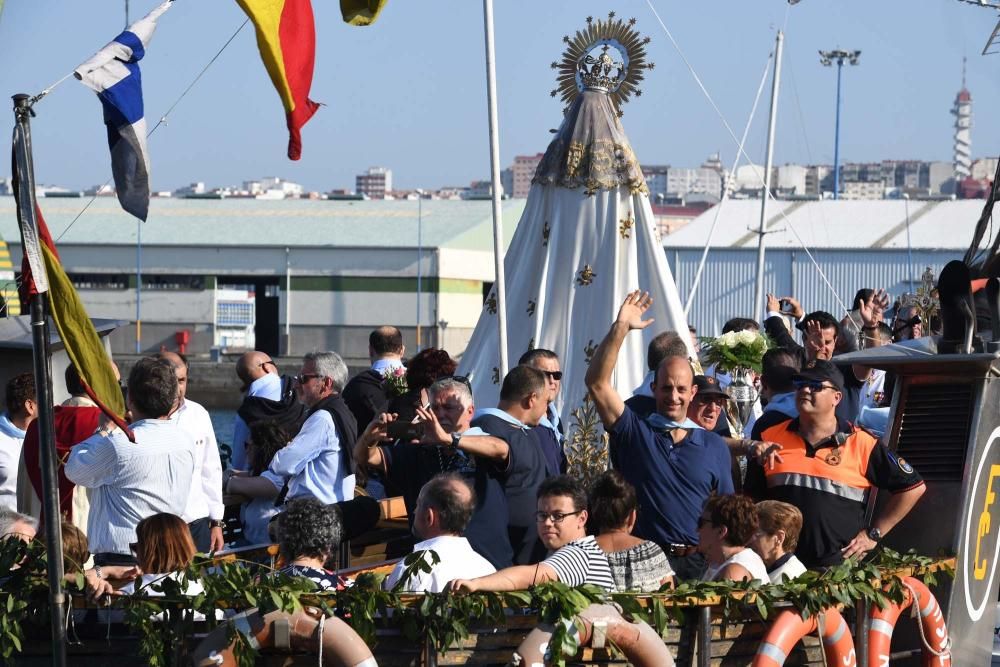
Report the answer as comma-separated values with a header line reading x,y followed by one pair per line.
x,y
790,627
595,624
336,643
933,631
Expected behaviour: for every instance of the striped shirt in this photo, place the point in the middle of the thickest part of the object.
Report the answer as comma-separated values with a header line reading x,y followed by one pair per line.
x,y
582,562
130,481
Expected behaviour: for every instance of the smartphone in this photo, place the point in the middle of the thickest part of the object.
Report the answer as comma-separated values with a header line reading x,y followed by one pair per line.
x,y
786,306
404,430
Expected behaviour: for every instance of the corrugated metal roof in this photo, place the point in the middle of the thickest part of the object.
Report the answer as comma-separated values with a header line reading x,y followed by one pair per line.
x,y
836,224
289,222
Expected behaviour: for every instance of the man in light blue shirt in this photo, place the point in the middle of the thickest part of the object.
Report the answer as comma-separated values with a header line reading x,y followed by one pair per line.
x,y
130,481
317,462
259,376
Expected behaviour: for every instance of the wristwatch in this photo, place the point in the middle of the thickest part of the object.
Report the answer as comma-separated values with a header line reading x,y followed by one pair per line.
x,y
455,438
874,534
215,523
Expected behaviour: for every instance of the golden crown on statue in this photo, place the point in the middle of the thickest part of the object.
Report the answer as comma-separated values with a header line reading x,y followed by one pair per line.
x,y
607,56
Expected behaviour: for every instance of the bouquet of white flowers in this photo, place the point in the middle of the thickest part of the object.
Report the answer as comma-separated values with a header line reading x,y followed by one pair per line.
x,y
736,349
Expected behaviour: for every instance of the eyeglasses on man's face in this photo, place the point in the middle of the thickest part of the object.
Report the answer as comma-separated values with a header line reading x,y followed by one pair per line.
x,y
556,517
305,377
811,385
553,375
460,378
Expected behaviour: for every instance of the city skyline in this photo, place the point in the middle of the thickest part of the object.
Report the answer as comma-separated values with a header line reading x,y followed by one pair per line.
x,y
414,99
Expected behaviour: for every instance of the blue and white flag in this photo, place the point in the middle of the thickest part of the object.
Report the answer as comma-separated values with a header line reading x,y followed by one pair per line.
x,y
113,73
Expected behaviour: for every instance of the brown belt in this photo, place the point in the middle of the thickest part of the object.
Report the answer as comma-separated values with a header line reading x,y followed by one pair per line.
x,y
681,550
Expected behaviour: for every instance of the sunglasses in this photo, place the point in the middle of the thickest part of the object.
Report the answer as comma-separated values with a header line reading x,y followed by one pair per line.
x,y
460,378
555,375
812,385
305,377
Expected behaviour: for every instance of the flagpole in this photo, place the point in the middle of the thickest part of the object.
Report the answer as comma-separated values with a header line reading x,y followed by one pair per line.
x,y
41,358
498,244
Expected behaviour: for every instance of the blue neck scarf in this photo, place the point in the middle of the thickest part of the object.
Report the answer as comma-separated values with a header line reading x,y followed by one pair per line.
x,y
660,423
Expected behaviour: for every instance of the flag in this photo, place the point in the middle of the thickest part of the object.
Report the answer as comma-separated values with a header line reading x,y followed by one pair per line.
x,y
113,73
76,330
286,37
361,12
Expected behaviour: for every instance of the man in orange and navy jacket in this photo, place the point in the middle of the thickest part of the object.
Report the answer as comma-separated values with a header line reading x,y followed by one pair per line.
x,y
827,467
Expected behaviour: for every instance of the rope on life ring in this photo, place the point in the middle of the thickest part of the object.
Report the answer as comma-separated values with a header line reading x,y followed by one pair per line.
x,y
334,642
933,631
641,644
789,627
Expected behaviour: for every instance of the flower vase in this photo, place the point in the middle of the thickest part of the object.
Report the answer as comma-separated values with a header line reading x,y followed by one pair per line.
x,y
743,391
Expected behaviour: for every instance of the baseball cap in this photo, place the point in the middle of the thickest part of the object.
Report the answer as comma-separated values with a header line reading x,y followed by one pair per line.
x,y
709,386
820,370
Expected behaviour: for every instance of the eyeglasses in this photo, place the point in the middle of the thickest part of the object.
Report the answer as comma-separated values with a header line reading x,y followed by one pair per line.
x,y
305,377
557,517
811,385
555,375
704,521
265,363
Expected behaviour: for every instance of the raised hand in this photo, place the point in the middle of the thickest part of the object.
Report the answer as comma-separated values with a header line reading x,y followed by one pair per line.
x,y
635,304
872,308
434,433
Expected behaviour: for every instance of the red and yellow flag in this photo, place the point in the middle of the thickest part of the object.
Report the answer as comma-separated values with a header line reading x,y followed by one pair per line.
x,y
76,330
286,37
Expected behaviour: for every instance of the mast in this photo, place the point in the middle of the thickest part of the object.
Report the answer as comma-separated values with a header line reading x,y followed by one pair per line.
x,y
41,358
758,295
498,245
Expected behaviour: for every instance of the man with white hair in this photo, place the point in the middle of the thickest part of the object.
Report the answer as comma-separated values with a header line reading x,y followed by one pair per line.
x,y
317,462
15,524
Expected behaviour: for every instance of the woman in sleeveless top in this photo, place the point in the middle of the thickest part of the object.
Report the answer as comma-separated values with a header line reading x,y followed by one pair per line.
x,y
724,528
636,564
776,539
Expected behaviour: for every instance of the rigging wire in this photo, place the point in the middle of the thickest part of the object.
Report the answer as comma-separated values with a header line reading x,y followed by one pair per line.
x,y
162,121
728,188
750,163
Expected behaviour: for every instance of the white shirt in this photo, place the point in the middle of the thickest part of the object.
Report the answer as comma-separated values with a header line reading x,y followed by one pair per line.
x,y
130,481
312,463
266,386
790,569
11,442
749,559
457,560
205,498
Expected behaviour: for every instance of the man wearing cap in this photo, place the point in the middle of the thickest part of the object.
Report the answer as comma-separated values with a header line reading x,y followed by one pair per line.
x,y
673,463
708,403
827,469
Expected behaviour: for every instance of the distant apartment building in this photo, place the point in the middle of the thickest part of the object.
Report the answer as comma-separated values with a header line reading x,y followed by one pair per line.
x,y
656,180
481,190
522,172
272,187
705,181
982,168
507,181
376,183
819,179
862,189
790,179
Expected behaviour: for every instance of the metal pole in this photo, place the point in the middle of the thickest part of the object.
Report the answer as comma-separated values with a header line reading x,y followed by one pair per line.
x,y
43,396
909,247
288,302
420,256
138,286
758,292
836,137
498,242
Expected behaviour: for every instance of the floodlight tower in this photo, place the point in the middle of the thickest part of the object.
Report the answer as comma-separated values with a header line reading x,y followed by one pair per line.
x,y
827,58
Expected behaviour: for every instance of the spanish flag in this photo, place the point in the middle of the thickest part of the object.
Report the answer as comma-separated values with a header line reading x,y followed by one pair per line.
x,y
286,37
79,337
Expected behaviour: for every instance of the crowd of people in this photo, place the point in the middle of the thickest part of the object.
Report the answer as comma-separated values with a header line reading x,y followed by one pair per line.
x,y
693,492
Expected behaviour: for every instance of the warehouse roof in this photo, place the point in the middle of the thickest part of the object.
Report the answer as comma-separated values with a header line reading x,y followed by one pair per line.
x,y
836,224
289,222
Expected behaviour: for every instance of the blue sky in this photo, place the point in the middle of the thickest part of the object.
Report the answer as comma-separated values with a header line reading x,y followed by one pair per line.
x,y
409,92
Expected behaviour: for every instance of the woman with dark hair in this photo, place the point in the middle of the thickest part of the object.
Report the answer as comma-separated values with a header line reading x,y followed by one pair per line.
x,y
422,371
636,564
725,527
308,535
266,438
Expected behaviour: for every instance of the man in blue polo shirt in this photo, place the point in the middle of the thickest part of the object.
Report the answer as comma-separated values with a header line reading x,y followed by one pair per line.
x,y
674,464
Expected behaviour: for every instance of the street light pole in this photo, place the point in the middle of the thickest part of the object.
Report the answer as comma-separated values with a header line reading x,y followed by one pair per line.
x,y
827,58
420,256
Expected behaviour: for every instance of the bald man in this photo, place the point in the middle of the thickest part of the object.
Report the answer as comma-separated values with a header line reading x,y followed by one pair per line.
x,y
260,378
204,509
673,463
